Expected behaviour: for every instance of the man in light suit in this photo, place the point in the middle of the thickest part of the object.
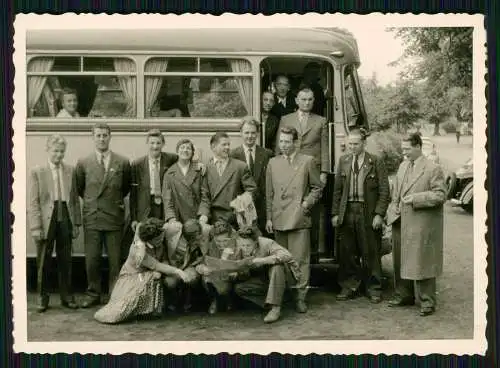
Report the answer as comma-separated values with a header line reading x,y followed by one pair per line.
x,y
293,187
103,181
313,141
256,158
224,180
416,216
54,214
147,174
360,200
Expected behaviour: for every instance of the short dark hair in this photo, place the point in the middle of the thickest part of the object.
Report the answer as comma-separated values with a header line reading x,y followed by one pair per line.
x,y
217,137
150,229
415,139
101,125
250,120
282,76
305,87
67,91
191,229
359,131
221,227
249,232
312,65
155,133
184,141
291,131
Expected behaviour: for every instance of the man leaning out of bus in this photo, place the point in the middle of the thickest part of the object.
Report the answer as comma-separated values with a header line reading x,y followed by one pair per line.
x,y
69,102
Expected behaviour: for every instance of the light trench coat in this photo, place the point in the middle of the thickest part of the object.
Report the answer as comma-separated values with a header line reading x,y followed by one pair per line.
x,y
422,220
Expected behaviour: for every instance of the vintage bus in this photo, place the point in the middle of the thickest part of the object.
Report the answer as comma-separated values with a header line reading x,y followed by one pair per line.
x,y
186,82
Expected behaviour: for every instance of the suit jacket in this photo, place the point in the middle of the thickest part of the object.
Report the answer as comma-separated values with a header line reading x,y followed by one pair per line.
x,y
313,141
375,189
218,191
103,194
262,157
278,110
422,220
271,125
287,187
42,197
140,191
181,194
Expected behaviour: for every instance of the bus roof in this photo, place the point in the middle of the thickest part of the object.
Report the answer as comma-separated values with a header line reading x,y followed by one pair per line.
x,y
319,41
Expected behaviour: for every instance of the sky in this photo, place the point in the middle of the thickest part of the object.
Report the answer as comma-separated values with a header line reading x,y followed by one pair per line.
x,y
377,48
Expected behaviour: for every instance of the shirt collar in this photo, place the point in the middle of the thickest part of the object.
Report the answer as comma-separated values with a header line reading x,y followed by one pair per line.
x,y
417,160
292,156
221,160
152,160
53,166
104,155
361,156
246,148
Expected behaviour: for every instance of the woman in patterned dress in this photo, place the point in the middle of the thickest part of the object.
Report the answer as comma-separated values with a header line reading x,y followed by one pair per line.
x,y
138,290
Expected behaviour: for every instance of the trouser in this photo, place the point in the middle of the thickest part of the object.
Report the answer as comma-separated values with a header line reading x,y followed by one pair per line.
x,y
267,288
177,289
60,233
94,241
359,251
156,210
424,291
299,245
318,228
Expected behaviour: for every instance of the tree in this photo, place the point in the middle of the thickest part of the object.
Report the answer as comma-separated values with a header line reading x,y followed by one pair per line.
x,y
443,61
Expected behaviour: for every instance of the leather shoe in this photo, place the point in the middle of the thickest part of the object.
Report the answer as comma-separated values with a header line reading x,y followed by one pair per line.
x,y
90,301
42,304
301,306
426,311
398,301
70,304
213,308
273,315
345,294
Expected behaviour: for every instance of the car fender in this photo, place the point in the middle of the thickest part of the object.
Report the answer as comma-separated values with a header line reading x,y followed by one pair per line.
x,y
451,182
466,196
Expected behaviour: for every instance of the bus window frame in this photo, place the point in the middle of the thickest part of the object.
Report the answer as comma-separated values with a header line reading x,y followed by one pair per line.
x,y
81,56
350,71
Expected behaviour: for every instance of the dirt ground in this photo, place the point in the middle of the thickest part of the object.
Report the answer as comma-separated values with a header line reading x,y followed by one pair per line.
x,y
326,319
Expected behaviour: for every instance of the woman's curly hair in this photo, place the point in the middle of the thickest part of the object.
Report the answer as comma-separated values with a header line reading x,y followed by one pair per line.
x,y
249,232
150,229
221,227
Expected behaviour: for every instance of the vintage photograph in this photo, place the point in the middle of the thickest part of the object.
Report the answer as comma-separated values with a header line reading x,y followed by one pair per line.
x,y
251,181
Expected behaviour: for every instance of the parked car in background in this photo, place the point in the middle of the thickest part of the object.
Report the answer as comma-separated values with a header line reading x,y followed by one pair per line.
x,y
461,186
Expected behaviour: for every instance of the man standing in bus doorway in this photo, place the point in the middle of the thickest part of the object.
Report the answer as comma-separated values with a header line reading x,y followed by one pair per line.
x,y
284,100
103,181
256,158
269,120
147,179
313,141
360,200
293,187
311,78
55,217
224,180
416,215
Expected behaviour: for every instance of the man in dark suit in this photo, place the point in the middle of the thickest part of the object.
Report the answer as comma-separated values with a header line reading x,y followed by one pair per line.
x,y
360,201
256,158
147,180
313,141
293,187
270,121
55,217
103,181
284,100
224,180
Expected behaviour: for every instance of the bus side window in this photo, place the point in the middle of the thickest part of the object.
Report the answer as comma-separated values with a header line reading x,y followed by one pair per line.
x,y
351,99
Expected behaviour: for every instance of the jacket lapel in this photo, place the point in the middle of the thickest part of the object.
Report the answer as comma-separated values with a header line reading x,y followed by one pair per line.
x,y
226,175
311,120
46,173
367,167
109,173
68,181
296,163
418,171
259,159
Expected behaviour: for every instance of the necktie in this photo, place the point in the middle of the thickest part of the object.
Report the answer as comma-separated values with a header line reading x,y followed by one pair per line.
x,y
156,181
355,178
251,163
101,162
218,164
59,194
356,165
